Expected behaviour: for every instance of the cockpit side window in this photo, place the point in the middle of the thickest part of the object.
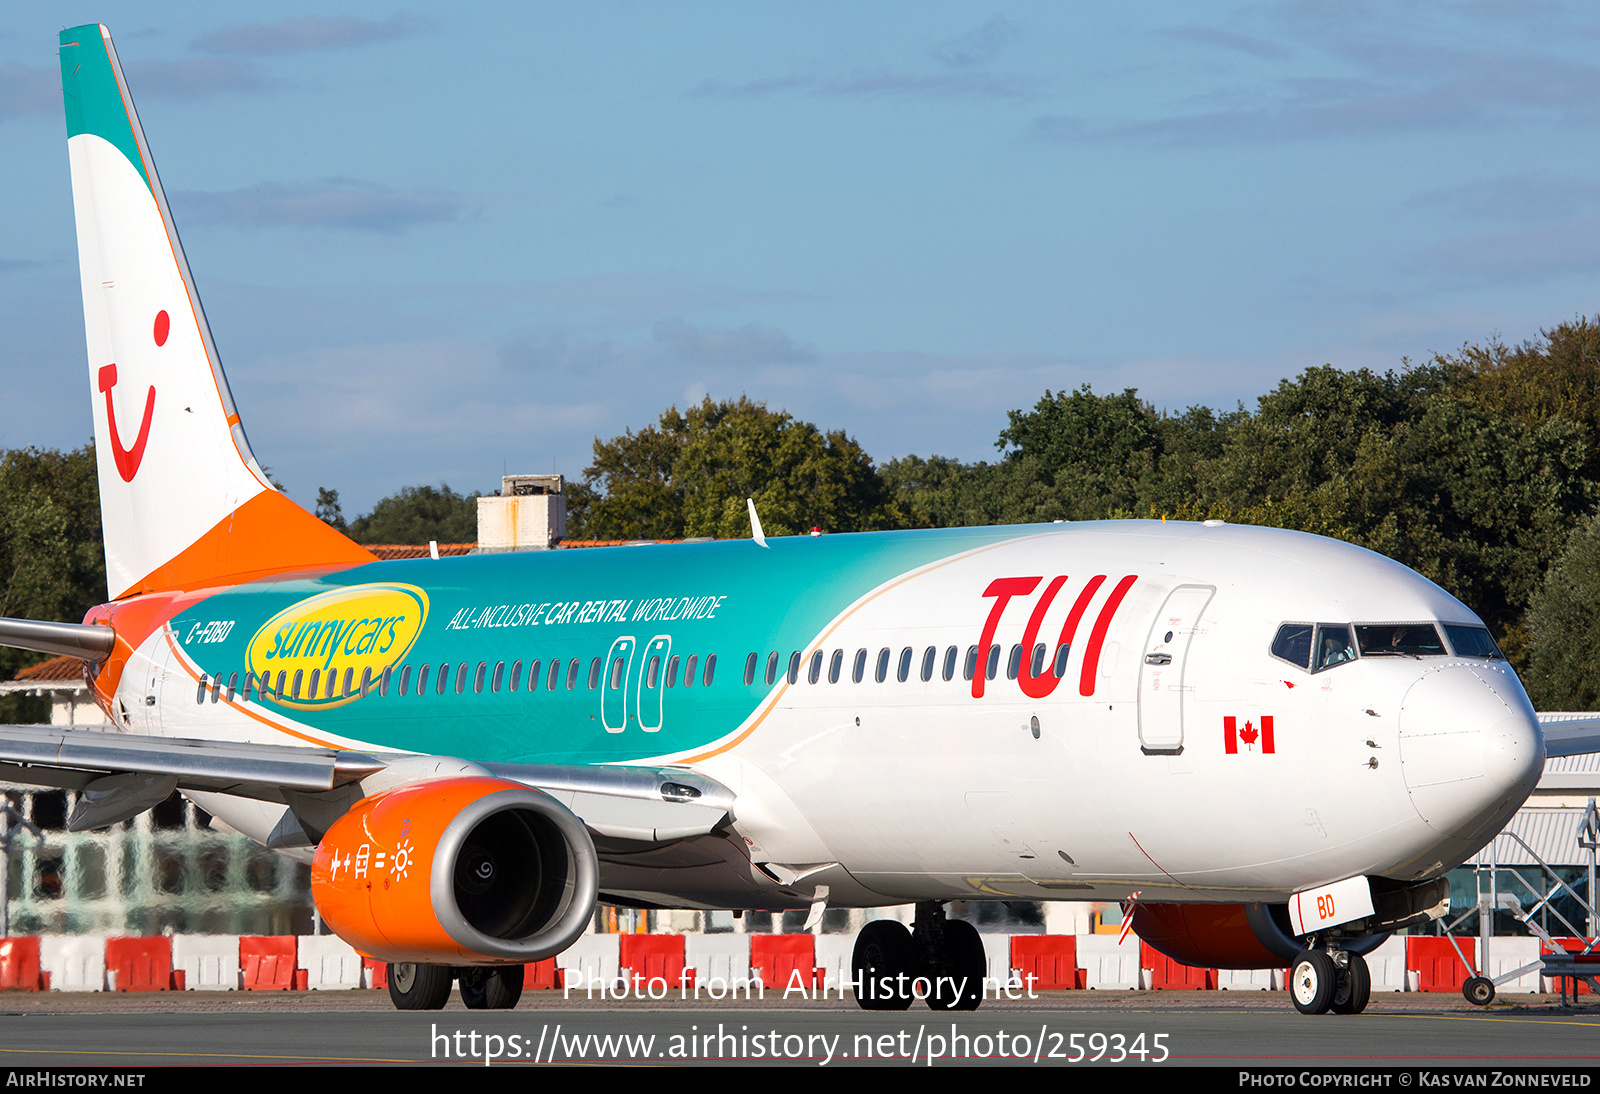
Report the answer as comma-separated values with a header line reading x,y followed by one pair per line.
x,y
1333,646
1313,646
1399,640
1293,644
1472,642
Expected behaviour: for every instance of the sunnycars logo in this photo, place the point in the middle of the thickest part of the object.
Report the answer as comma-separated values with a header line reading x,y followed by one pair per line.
x,y
305,650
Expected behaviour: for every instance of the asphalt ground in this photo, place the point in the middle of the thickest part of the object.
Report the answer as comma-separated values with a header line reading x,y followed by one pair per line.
x,y
1127,1029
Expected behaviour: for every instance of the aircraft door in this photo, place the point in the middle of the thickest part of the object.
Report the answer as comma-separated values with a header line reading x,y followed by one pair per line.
x,y
158,685
1161,684
615,681
652,681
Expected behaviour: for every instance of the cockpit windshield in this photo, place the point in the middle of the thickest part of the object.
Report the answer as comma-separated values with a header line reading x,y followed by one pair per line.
x,y
1399,640
1318,646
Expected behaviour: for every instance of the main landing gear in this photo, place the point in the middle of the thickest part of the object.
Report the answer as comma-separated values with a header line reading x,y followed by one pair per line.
x,y
939,960
1320,981
427,987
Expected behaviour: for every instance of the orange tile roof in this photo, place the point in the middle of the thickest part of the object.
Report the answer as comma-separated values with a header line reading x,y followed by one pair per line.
x,y
417,550
57,668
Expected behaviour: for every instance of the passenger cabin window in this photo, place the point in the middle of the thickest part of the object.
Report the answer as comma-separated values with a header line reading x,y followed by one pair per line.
x,y
794,667
772,667
951,656
883,665
970,669
750,668
1062,652
903,670
594,672
555,675
930,657
672,671
858,670
993,668
1014,663
617,665
816,668
688,670
572,674
835,664
711,668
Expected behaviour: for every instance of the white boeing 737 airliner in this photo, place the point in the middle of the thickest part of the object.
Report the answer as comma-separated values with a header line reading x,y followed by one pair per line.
x,y
1279,742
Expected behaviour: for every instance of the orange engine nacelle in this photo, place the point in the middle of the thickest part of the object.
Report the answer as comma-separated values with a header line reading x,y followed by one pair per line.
x,y
463,871
1217,936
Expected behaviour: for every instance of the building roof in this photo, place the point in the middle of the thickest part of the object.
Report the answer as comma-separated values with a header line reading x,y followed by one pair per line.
x,y
56,674
1552,833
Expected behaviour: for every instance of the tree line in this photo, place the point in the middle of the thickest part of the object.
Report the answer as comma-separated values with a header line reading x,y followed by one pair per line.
x,y
1479,469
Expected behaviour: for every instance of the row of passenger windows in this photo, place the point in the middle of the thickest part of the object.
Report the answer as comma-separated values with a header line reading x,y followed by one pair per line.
x,y
403,680
930,662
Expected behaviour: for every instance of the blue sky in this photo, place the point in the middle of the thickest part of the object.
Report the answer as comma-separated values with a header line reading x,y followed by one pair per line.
x,y
439,241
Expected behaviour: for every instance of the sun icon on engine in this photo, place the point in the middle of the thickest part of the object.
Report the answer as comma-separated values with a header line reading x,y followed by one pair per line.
x,y
401,860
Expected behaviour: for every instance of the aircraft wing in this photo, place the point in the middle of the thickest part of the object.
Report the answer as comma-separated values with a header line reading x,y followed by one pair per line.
x,y
119,775
1570,734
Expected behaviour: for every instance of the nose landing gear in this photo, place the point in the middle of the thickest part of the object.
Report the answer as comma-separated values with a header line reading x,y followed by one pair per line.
x,y
1320,982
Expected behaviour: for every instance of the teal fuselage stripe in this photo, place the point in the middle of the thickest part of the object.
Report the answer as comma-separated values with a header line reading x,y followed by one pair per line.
x,y
726,599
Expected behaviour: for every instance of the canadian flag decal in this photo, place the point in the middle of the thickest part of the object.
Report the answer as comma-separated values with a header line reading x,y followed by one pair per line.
x,y
1250,735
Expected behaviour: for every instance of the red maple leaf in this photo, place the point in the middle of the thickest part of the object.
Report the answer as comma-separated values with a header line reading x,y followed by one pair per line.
x,y
1248,734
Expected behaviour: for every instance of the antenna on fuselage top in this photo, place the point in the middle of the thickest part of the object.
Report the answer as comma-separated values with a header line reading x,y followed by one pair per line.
x,y
755,524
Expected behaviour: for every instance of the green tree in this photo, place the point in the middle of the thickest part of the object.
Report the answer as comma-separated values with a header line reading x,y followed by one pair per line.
x,y
52,560
1564,627
328,510
418,514
689,475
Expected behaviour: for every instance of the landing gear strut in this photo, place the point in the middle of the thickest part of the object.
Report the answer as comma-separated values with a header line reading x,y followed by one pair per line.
x,y
1338,981
940,960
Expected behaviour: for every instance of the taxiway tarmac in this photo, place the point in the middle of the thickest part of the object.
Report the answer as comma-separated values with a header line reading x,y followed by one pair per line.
x,y
1127,1029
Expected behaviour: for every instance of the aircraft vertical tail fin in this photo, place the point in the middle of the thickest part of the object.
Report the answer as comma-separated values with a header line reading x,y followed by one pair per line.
x,y
184,502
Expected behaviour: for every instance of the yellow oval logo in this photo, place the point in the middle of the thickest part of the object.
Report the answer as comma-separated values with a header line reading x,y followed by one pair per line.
x,y
316,654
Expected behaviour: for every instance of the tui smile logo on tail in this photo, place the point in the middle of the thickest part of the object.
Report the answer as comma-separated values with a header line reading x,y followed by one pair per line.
x,y
128,459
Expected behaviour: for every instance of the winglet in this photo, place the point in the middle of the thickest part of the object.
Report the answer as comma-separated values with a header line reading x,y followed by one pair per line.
x,y
755,524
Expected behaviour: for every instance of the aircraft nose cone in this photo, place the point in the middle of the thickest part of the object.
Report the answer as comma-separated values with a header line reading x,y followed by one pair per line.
x,y
1470,749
